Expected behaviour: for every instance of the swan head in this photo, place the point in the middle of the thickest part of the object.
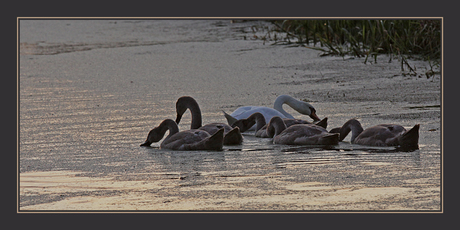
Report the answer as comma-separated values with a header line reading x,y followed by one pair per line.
x,y
182,105
308,109
153,136
187,102
243,124
180,110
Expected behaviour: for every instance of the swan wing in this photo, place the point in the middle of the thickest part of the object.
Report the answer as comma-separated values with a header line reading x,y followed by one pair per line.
x,y
306,134
380,135
184,138
246,111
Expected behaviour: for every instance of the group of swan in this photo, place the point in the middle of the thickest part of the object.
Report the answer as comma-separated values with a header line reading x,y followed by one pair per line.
x,y
300,106
272,123
208,137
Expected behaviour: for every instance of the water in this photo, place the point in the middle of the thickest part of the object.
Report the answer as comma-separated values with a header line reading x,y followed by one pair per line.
x,y
90,90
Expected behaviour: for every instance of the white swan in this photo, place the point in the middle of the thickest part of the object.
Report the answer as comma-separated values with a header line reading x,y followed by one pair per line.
x,y
246,111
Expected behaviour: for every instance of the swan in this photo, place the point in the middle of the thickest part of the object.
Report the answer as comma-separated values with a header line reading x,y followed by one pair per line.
x,y
300,106
232,136
300,134
258,120
379,135
184,140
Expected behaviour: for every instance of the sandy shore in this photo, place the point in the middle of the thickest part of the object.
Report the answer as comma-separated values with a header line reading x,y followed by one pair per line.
x,y
91,90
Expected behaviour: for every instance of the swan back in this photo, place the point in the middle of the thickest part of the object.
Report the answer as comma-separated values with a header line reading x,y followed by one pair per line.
x,y
193,139
306,134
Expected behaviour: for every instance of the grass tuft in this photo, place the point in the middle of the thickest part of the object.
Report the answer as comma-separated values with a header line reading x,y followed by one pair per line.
x,y
402,39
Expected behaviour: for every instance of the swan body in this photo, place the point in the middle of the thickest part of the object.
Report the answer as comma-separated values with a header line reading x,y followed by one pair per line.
x,y
277,110
232,136
300,134
184,140
379,135
258,120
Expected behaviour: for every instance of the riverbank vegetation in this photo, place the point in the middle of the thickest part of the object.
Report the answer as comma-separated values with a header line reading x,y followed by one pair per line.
x,y
400,39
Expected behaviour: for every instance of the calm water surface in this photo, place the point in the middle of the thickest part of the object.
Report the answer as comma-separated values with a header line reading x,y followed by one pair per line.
x,y
91,90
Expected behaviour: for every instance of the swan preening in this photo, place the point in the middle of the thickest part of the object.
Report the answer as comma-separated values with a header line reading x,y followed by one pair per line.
x,y
379,135
279,125
246,111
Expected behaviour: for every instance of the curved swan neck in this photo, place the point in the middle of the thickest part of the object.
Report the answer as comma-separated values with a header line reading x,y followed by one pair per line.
x,y
170,125
275,126
157,133
352,125
280,100
184,103
259,119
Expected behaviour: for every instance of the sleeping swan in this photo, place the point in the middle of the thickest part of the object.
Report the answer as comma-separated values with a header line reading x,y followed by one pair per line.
x,y
379,135
300,106
232,136
300,134
185,140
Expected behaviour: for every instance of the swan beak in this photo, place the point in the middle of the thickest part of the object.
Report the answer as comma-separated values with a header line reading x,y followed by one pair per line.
x,y
314,117
146,143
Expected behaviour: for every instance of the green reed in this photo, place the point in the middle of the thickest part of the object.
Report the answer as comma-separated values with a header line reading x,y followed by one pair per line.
x,y
366,38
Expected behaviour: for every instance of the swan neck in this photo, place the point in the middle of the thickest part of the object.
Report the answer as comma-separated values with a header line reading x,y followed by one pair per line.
x,y
196,116
354,126
190,103
260,120
170,125
285,99
275,126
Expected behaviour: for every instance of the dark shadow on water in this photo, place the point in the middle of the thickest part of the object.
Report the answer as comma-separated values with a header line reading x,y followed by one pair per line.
x,y
307,149
383,150
424,107
347,147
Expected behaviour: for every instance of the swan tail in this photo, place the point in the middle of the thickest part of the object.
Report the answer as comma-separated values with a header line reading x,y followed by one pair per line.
x,y
229,118
322,123
215,141
410,138
330,139
233,137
